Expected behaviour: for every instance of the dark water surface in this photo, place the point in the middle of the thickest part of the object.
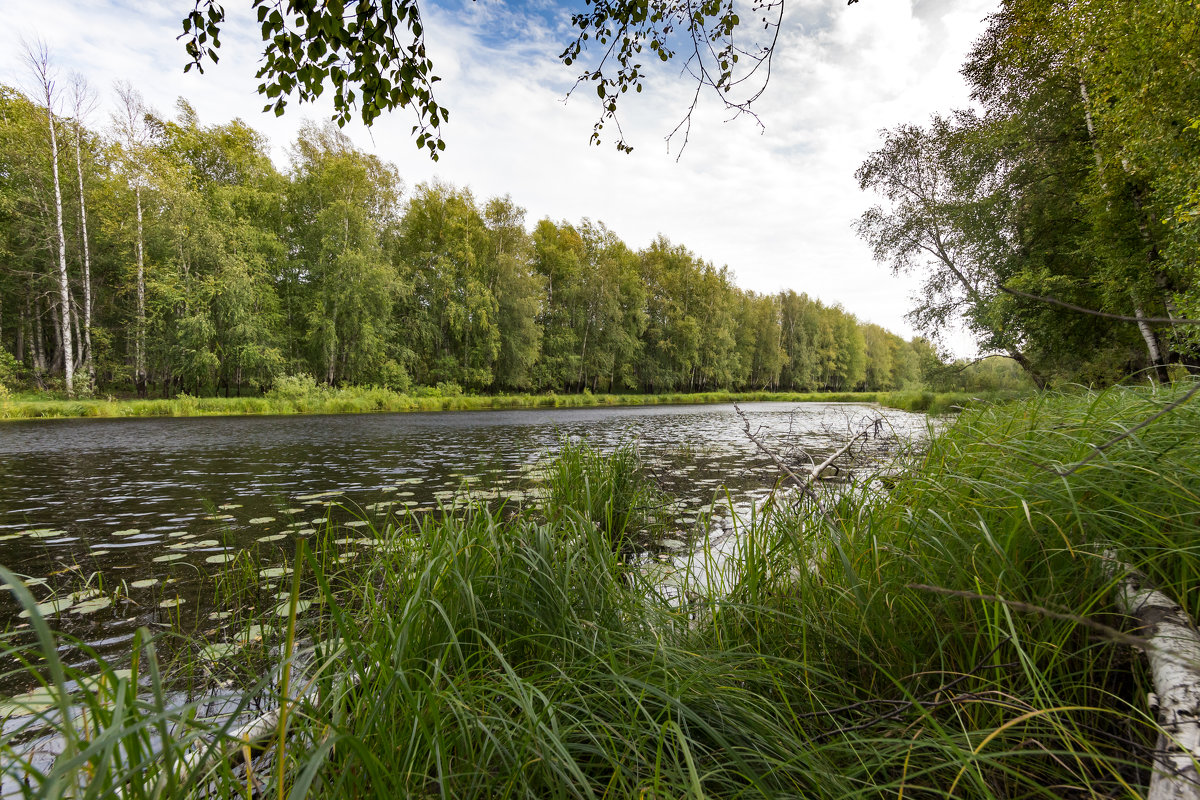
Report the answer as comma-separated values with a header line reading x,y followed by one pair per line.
x,y
154,505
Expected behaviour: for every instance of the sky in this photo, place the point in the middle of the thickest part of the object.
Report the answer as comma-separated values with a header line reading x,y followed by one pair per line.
x,y
775,202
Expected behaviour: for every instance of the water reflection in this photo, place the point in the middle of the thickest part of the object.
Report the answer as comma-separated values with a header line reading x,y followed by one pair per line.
x,y
155,503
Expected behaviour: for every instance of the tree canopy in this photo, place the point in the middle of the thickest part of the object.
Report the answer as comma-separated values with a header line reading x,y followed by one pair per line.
x,y
210,269
372,54
1074,178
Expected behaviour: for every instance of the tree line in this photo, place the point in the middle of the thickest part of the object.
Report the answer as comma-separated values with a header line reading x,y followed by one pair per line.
x,y
1072,185
165,255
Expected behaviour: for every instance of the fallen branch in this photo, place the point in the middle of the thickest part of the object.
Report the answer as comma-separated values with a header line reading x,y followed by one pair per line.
x,y
1104,314
1098,449
252,738
804,484
1173,650
1172,646
816,471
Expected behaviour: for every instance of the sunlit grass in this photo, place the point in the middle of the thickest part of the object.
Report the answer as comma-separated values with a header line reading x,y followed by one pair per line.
x,y
358,400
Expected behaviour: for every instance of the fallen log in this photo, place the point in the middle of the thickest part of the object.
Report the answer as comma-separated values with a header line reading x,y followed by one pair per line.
x,y
1173,650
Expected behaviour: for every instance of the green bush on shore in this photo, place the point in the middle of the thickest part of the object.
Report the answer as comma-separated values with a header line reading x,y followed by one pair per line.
x,y
893,646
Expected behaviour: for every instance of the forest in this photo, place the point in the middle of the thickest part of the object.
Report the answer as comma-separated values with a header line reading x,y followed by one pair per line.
x,y
165,255
1057,214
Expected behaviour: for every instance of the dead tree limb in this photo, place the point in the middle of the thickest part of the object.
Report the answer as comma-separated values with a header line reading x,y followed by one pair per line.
x,y
1099,449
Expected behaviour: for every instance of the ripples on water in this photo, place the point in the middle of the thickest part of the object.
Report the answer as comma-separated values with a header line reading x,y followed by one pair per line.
x,y
157,503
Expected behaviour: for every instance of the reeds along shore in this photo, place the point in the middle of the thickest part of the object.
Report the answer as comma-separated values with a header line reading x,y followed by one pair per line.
x,y
952,635
356,400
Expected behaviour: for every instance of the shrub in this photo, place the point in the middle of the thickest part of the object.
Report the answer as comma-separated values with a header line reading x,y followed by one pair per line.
x,y
393,376
294,387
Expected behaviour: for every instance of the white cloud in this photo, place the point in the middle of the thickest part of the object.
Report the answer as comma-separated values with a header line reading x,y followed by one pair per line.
x,y
776,205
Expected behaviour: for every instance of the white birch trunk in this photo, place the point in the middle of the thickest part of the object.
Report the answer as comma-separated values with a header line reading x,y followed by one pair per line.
x,y
1173,650
39,62
140,344
1148,336
90,363
64,286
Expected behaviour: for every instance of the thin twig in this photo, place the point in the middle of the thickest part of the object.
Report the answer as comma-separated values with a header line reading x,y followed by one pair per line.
x,y
1017,605
1099,449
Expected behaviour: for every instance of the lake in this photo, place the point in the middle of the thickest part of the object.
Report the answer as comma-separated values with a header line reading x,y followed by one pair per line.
x,y
156,505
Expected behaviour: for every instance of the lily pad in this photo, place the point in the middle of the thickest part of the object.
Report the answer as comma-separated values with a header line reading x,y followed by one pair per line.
x,y
146,583
174,602
282,610
28,581
319,495
275,537
168,557
49,608
261,520
44,533
44,698
92,606
215,652
221,558
253,633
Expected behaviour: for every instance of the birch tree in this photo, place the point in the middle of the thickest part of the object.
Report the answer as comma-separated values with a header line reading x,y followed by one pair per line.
x,y
37,56
134,135
83,103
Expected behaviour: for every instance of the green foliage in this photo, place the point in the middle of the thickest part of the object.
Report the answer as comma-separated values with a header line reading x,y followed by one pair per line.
x,y
9,369
628,33
294,387
333,270
1073,179
609,490
373,55
359,52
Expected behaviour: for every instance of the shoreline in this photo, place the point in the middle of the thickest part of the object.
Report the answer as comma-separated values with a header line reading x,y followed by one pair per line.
x,y
355,400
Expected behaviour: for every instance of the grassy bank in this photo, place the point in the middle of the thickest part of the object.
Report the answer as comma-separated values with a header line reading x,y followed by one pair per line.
x,y
894,648
356,400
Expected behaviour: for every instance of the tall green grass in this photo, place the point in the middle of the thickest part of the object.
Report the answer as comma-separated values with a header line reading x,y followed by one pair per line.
x,y
361,400
948,636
